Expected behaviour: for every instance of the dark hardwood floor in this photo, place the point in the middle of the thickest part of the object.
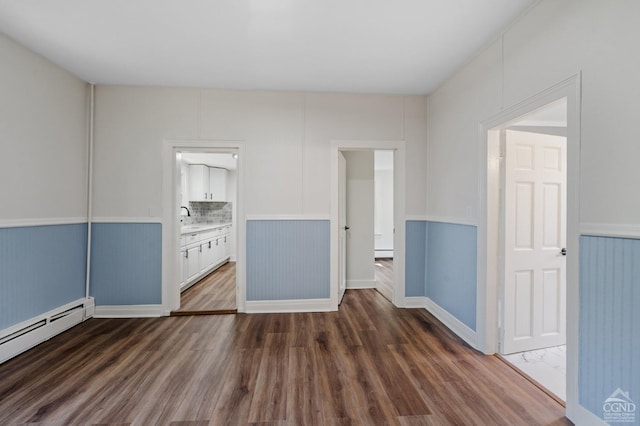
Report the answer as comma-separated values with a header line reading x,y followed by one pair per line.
x,y
213,294
384,277
370,363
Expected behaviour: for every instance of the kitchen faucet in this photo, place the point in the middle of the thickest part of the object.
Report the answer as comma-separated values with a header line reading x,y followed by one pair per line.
x,y
188,212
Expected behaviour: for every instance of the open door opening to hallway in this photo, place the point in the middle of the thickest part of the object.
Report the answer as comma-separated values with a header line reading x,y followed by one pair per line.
x,y
533,216
366,220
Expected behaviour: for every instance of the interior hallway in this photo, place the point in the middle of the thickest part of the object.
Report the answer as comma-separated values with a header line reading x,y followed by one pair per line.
x,y
368,363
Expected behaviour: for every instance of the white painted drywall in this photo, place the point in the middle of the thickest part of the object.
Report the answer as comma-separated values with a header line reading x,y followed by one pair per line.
x,y
549,44
383,218
43,138
360,208
287,139
384,210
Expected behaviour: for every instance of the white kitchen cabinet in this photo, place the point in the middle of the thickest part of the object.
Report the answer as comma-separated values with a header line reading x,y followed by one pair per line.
x,y
193,263
217,184
183,267
208,255
202,252
207,183
199,182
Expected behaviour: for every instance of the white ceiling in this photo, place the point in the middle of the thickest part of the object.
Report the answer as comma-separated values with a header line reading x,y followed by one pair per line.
x,y
367,46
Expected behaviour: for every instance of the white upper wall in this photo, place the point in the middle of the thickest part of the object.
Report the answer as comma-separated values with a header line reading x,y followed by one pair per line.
x,y
43,138
554,41
287,136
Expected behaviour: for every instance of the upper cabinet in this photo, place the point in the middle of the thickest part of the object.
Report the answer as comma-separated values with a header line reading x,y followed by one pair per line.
x,y
217,184
207,183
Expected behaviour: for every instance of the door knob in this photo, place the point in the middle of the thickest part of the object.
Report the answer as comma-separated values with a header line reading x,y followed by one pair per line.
x,y
563,252
346,228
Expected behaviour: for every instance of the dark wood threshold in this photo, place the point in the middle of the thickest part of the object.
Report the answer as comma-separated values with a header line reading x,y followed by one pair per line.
x,y
532,380
204,312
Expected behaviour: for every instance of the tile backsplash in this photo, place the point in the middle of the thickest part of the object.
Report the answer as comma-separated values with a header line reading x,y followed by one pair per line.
x,y
207,212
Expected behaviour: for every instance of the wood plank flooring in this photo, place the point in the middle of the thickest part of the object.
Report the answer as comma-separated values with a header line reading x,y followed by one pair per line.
x,y
215,293
368,364
384,277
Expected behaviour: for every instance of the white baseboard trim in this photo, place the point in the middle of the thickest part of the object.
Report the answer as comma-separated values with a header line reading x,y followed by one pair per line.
x,y
415,302
581,416
383,254
616,230
452,323
360,284
294,305
129,311
21,337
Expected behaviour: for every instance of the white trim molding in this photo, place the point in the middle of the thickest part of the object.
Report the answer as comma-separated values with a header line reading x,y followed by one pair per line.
x,y
360,284
452,220
581,416
415,302
282,306
21,223
150,219
416,218
452,323
129,311
616,230
288,217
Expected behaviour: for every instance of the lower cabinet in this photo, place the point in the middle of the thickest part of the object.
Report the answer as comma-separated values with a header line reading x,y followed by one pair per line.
x,y
193,263
201,257
208,256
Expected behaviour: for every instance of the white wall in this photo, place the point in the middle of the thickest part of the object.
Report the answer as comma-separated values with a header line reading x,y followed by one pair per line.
x,y
549,44
287,138
43,139
383,179
552,42
360,208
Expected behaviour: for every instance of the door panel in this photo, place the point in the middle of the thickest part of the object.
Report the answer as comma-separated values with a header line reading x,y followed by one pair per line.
x,y
534,234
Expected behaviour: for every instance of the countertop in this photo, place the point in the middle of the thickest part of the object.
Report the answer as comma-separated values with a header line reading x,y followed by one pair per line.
x,y
190,229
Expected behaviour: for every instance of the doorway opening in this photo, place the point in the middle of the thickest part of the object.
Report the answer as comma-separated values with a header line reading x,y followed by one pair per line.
x,y
368,196
366,221
531,154
203,254
207,205
383,222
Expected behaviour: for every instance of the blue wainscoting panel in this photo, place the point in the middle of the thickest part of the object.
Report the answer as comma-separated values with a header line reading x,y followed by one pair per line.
x,y
287,259
126,263
452,270
41,268
609,335
415,258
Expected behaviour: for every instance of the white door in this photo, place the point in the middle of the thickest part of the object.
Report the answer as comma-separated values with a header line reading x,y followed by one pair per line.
x,y
535,212
342,224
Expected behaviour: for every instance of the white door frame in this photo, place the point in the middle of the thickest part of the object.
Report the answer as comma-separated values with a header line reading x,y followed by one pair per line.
x,y
171,229
489,265
399,201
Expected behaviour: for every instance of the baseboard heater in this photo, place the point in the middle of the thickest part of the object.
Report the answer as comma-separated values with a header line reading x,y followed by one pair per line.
x,y
22,337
